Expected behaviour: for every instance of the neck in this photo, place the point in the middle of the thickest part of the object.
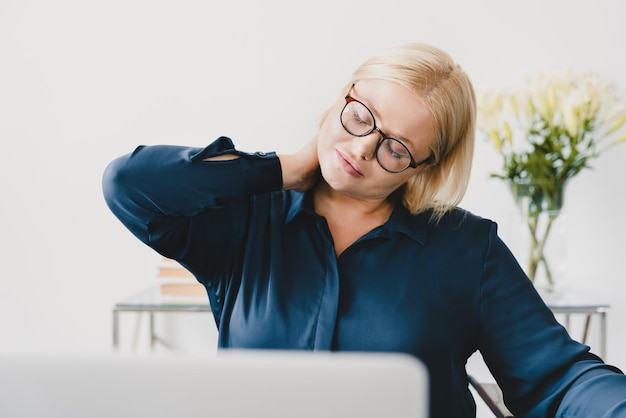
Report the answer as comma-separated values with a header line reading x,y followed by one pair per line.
x,y
349,217
327,200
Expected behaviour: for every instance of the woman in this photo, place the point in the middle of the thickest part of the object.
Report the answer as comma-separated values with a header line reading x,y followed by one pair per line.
x,y
355,243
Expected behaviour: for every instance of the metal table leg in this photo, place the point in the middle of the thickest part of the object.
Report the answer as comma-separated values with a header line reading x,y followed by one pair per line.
x,y
116,338
153,337
603,335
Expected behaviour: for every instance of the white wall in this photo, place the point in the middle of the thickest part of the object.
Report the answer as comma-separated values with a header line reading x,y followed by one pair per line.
x,y
82,82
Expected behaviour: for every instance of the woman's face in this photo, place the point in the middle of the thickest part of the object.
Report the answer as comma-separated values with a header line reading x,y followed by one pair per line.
x,y
348,163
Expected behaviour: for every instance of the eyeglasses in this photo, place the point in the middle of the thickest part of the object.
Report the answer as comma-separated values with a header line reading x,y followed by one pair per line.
x,y
392,155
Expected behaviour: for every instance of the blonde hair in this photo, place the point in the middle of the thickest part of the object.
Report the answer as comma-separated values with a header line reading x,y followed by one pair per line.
x,y
447,91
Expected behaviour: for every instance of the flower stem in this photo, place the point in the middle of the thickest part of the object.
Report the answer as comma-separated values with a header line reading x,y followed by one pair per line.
x,y
537,246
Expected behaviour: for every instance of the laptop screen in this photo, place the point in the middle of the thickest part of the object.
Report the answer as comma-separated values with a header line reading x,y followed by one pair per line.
x,y
232,384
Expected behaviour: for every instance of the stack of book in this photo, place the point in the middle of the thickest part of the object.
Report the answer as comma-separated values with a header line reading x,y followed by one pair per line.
x,y
176,282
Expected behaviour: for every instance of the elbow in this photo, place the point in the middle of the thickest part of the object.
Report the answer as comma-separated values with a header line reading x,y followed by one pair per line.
x,y
117,181
113,182
116,176
120,190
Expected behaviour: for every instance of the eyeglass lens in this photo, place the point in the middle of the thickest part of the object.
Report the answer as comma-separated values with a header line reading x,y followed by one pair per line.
x,y
357,120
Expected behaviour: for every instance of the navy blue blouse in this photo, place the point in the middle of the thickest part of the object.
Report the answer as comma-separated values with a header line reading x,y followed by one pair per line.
x,y
439,291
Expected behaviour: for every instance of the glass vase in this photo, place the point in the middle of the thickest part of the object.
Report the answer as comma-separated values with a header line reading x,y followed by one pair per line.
x,y
541,240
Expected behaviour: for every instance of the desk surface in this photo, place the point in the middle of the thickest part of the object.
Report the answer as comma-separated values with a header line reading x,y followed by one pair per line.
x,y
562,300
574,300
150,299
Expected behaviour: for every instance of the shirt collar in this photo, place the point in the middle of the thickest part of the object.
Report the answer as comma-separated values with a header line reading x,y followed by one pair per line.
x,y
413,226
400,221
298,202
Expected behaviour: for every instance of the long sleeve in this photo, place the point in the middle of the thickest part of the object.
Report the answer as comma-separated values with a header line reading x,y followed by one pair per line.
x,y
178,203
538,366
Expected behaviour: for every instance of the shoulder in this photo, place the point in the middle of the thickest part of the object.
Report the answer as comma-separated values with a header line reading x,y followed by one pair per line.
x,y
463,225
455,226
283,204
461,219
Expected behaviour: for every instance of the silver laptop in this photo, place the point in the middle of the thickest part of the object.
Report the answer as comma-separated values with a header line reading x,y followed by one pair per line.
x,y
233,384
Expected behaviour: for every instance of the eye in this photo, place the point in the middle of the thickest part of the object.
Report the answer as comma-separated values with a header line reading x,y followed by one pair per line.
x,y
360,114
357,117
396,149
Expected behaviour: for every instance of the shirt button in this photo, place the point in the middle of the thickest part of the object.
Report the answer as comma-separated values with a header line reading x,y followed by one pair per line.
x,y
261,154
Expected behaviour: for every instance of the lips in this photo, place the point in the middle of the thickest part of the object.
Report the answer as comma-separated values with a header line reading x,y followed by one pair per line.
x,y
348,165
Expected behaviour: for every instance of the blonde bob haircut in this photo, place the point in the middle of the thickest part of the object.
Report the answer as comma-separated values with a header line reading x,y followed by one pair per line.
x,y
447,91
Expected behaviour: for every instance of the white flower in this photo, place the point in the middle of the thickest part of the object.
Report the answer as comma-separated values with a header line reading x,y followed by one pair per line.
x,y
554,125
489,115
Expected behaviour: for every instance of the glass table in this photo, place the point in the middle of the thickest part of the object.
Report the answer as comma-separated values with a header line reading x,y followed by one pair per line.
x,y
151,301
566,302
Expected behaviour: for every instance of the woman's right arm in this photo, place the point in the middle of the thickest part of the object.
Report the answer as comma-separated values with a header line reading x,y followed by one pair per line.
x,y
182,201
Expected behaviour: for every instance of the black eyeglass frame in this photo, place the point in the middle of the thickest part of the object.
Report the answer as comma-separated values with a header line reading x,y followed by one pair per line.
x,y
412,164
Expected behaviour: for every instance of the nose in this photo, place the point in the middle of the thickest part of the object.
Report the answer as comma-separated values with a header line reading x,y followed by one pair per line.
x,y
365,146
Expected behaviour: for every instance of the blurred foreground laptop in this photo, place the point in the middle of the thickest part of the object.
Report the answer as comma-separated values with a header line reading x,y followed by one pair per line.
x,y
234,384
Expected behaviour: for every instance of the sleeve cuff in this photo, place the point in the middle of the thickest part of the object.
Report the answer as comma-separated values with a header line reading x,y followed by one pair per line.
x,y
261,171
